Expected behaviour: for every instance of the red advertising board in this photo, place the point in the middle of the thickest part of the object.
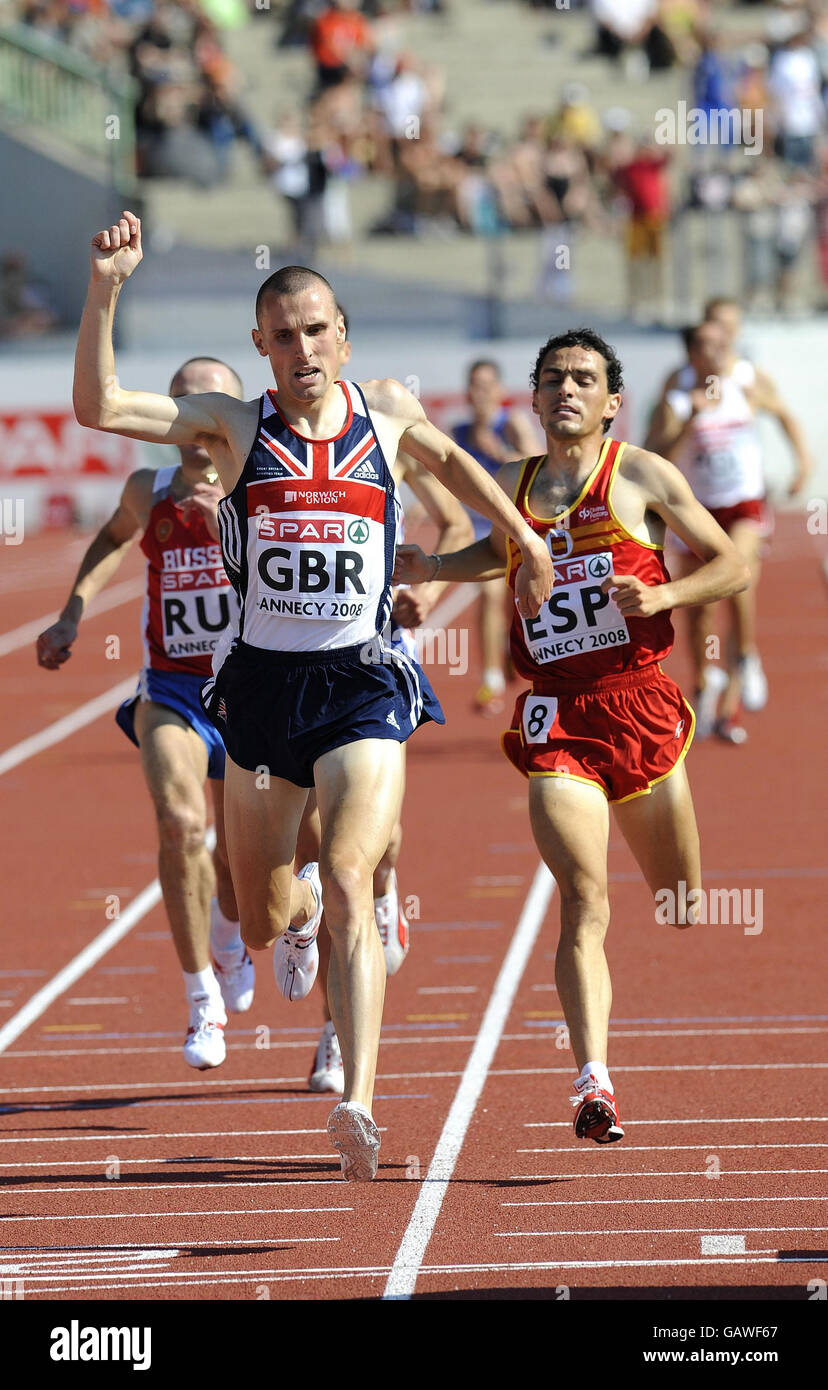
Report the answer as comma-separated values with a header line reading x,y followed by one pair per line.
x,y
50,444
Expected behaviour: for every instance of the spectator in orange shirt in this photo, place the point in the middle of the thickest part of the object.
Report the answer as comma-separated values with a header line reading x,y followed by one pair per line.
x,y
341,41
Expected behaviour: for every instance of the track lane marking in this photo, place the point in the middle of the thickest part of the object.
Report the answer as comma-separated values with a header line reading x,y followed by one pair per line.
x,y
119,594
39,1002
655,1201
167,1279
670,1231
155,1215
180,1160
672,1148
589,1176
153,1136
403,1276
69,724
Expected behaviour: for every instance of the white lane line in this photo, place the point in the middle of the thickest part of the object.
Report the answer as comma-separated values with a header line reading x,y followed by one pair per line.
x,y
257,1081
99,999
103,942
704,1120
119,594
666,1032
112,1051
167,1279
174,1186
153,1136
666,1231
69,724
156,1250
670,1148
448,989
455,603
40,1267
409,1257
181,1160
657,1201
202,1214
589,1176
701,1066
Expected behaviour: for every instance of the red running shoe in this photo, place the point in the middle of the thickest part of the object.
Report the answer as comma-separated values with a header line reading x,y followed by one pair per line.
x,y
597,1114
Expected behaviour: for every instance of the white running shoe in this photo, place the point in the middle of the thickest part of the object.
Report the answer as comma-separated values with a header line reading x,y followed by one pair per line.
x,y
327,1073
754,682
204,1045
237,980
296,954
392,925
354,1134
706,700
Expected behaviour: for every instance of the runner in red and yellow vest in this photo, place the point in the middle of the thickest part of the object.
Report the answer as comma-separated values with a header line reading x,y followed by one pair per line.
x,y
582,655
601,722
581,638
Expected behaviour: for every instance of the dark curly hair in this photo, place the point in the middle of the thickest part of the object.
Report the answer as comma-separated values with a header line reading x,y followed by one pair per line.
x,y
592,342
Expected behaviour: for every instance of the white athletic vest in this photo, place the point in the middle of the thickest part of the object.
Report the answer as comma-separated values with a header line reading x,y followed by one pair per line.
x,y
722,459
308,533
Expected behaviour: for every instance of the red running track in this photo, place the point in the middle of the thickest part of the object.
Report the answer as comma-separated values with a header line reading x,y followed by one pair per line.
x,y
126,1175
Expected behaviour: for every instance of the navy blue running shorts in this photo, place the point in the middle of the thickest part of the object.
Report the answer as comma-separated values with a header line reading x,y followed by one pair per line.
x,y
182,693
283,710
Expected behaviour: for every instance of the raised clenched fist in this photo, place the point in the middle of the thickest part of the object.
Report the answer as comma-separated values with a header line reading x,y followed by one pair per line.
x,y
116,250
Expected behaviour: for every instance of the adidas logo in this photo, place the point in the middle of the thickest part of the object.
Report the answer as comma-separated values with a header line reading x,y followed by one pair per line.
x,y
366,473
392,719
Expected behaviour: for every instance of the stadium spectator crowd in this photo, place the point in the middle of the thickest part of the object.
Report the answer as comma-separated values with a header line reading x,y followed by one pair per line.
x,y
374,109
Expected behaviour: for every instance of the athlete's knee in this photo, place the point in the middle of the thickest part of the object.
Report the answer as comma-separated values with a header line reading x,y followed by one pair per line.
x,y
180,828
585,912
346,887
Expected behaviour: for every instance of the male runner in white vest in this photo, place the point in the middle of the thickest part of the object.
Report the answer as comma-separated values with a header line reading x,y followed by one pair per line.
x,y
308,530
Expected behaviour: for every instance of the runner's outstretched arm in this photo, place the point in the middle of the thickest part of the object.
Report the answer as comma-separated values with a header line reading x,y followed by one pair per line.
x,y
103,557
99,400
454,529
476,563
464,477
768,399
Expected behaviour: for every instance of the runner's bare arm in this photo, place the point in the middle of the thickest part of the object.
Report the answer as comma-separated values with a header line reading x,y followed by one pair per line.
x,y
520,434
99,400
454,530
483,560
766,397
103,557
667,430
464,477
668,494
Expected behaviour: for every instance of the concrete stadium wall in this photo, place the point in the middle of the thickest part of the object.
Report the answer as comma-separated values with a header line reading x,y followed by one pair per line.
x,y
47,210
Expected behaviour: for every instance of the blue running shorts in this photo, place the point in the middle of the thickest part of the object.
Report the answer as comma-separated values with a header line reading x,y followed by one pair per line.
x,y
181,693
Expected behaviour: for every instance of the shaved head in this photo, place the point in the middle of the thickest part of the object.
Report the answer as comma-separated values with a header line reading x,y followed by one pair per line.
x,y
290,280
200,374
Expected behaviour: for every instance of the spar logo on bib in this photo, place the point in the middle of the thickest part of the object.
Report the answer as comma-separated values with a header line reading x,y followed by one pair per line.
x,y
599,566
358,532
578,617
